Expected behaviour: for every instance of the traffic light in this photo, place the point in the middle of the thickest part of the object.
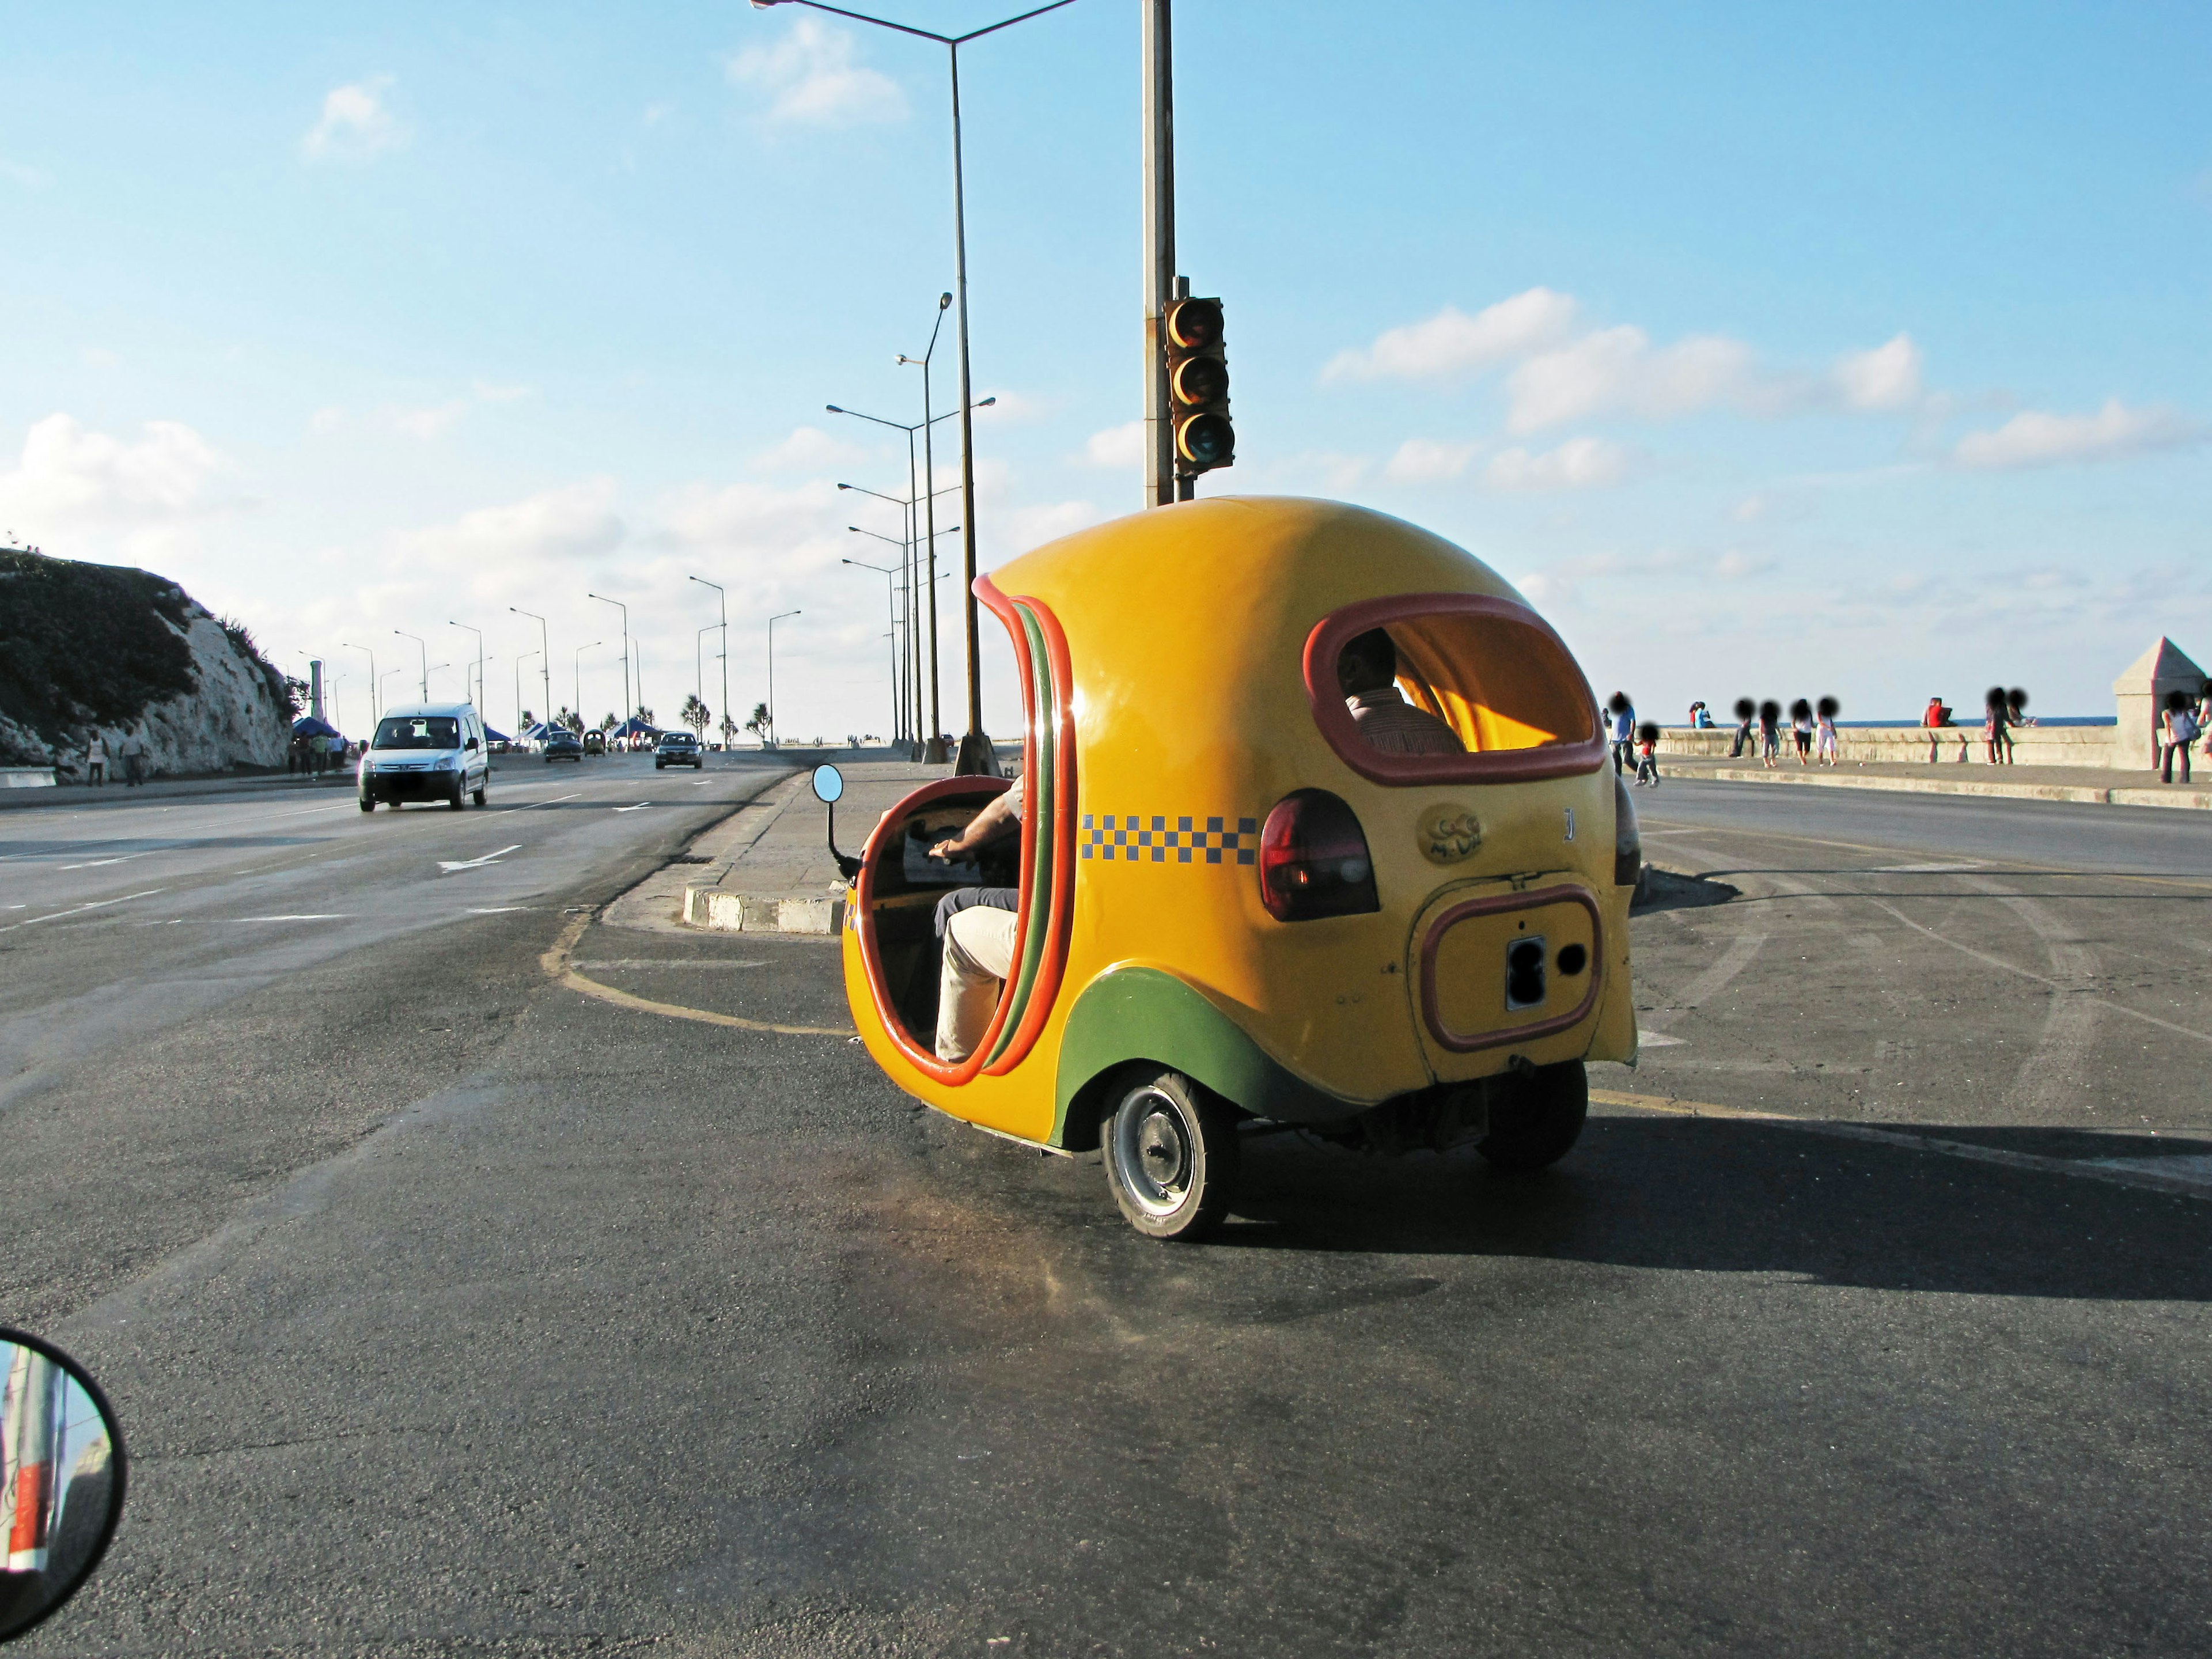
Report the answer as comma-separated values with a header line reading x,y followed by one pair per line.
x,y
1197,387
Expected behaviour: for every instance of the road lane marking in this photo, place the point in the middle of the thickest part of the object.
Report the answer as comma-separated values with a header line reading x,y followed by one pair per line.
x,y
1656,1040
123,858
1923,869
327,915
1708,984
666,962
79,909
559,967
547,801
450,864
497,909
2129,1174
639,807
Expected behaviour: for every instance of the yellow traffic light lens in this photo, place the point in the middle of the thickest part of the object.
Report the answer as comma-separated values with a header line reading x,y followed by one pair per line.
x,y
1194,324
1199,380
1206,440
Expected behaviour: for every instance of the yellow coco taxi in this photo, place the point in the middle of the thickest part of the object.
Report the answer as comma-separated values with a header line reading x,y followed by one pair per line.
x,y
1234,904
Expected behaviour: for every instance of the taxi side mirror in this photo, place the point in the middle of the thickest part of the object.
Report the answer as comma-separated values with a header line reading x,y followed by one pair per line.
x,y
829,786
62,1463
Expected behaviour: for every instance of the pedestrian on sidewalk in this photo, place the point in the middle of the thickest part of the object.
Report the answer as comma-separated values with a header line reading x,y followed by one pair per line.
x,y
1801,728
1826,747
1745,712
1997,716
95,761
133,750
1769,734
2180,733
1647,753
1623,730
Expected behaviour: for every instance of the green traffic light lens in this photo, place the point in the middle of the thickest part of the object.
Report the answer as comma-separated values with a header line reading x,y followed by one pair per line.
x,y
1206,440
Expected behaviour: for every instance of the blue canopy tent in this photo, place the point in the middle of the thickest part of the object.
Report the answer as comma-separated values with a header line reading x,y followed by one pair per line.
x,y
491,736
308,726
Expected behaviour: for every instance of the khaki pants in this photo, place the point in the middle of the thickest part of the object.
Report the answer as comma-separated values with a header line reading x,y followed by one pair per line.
x,y
979,954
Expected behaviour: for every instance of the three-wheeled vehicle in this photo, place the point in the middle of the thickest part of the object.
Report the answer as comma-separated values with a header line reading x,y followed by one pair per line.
x,y
1237,902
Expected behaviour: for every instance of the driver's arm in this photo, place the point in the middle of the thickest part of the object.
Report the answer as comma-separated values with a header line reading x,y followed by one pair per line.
x,y
987,825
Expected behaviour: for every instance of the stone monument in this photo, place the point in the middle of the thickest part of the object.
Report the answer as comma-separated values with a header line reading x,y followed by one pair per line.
x,y
2141,696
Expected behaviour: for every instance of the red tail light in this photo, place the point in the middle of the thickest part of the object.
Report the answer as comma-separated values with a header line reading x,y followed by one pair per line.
x,y
1313,859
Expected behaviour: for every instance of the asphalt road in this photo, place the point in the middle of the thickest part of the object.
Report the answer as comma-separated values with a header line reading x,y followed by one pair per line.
x,y
450,1309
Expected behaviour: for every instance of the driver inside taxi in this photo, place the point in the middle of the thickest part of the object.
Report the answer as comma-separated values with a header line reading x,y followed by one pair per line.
x,y
977,925
1367,674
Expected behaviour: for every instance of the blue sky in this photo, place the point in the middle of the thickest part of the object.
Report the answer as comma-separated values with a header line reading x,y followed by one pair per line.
x,y
1776,351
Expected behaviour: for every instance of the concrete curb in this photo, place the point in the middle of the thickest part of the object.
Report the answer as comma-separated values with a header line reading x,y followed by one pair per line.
x,y
2197,800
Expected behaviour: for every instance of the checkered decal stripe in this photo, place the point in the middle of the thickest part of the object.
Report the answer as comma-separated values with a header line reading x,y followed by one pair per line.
x,y
1135,838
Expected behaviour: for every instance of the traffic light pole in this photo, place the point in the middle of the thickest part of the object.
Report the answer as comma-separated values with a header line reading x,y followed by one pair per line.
x,y
1158,56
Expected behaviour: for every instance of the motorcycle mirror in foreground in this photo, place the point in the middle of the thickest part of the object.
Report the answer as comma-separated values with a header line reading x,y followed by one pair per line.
x,y
828,784
61,1478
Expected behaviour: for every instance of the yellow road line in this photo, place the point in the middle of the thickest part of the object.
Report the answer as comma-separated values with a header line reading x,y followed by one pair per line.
x,y
559,968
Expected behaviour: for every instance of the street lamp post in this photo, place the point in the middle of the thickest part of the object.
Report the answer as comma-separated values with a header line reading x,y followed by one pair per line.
x,y
631,707
579,675
425,650
519,661
936,751
890,603
387,675
375,698
478,632
722,607
782,617
976,754
544,664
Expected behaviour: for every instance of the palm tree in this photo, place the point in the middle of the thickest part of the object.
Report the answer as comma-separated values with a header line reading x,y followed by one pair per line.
x,y
695,714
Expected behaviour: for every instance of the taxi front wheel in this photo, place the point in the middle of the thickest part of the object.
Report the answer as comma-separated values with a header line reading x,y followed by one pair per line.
x,y
1539,1119
1169,1148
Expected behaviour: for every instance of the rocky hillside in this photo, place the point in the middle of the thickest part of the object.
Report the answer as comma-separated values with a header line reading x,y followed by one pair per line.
x,y
94,647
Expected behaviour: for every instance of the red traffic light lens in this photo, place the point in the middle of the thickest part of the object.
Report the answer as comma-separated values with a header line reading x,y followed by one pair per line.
x,y
1194,324
1199,380
1206,440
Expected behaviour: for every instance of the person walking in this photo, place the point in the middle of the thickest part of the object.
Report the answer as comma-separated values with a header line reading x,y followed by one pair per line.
x,y
1825,746
1647,753
1745,712
1996,716
1623,730
95,760
133,751
1769,734
2180,732
1801,730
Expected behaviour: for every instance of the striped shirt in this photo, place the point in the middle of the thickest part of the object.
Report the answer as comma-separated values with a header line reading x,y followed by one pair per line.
x,y
1393,726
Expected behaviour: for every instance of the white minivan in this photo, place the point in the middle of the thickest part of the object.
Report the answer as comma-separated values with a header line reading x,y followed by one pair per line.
x,y
429,751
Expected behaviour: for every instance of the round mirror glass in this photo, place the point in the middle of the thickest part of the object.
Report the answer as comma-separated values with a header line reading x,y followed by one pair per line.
x,y
61,1478
828,783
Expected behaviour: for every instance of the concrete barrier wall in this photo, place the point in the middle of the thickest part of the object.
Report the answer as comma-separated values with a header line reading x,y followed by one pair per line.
x,y
2032,745
27,777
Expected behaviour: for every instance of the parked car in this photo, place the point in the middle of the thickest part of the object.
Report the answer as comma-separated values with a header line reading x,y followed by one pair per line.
x,y
595,743
677,749
563,745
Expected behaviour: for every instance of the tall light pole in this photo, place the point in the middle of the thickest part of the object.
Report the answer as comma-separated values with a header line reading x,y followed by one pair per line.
x,y
935,752
425,650
891,601
375,685
976,754
478,632
699,664
580,649
630,708
519,661
913,577
722,605
772,622
387,675
544,664
1158,52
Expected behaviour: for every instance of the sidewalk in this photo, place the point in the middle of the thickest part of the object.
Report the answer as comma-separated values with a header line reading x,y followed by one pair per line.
x,y
334,781
2096,786
768,869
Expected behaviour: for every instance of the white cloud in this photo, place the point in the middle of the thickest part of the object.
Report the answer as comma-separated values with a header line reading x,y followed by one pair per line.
x,y
67,475
1451,343
1430,460
1577,464
577,521
1751,509
329,418
356,124
100,357
811,80
1117,447
490,392
2033,438
808,449
1616,371
427,424
1735,564
20,173
1541,588
1886,378
1024,527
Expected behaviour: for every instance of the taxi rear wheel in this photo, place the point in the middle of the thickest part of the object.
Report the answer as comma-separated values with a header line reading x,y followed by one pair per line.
x,y
1539,1119
1170,1153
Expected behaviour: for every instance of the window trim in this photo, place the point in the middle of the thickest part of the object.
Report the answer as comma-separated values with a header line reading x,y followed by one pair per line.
x,y
1327,641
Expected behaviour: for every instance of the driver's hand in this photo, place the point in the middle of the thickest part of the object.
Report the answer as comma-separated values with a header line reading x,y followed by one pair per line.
x,y
947,850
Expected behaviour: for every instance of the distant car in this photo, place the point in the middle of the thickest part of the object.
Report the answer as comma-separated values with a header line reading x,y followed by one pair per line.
x,y
595,743
677,749
563,745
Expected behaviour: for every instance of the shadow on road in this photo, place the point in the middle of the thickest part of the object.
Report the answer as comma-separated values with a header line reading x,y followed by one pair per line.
x,y
1731,1196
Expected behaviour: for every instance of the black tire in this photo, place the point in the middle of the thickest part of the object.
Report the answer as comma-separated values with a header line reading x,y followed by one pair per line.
x,y
1540,1119
479,796
454,800
367,805
1170,1152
